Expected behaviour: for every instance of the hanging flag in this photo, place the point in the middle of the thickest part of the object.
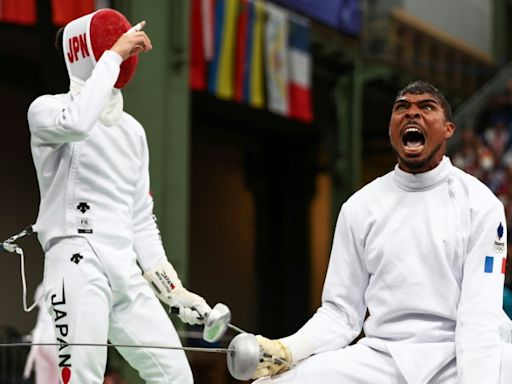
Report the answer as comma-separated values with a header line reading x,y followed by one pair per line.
x,y
253,83
276,59
208,21
197,72
299,61
102,4
241,45
221,68
63,11
22,12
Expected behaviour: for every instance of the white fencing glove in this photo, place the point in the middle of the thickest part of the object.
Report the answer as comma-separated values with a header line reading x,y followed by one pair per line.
x,y
164,280
277,358
193,309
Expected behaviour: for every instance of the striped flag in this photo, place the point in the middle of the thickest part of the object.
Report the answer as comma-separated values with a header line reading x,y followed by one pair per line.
x,y
299,60
242,44
276,59
221,69
202,20
63,11
197,72
208,20
22,12
254,88
249,86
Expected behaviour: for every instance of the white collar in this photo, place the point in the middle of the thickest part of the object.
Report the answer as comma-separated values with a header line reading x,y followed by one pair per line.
x,y
425,180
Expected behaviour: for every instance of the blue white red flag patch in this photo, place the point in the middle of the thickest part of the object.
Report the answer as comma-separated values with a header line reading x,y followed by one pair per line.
x,y
489,264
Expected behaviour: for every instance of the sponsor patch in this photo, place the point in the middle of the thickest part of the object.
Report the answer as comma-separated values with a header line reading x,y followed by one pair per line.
x,y
499,246
84,224
83,206
76,258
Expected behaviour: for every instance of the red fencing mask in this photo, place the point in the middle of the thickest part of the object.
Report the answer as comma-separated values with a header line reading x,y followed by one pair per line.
x,y
86,38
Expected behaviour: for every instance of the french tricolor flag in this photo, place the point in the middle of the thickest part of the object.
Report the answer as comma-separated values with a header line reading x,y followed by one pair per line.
x,y
489,264
299,70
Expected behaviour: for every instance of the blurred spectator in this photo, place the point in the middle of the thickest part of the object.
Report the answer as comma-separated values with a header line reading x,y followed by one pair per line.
x,y
497,137
113,376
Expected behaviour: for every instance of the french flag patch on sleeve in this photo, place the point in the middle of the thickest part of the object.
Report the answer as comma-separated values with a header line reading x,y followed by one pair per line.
x,y
489,264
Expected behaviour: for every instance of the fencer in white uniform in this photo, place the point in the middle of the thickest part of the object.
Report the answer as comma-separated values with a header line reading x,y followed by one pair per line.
x,y
95,220
417,263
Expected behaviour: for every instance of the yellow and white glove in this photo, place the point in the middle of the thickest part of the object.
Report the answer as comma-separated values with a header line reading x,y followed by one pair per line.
x,y
277,358
164,280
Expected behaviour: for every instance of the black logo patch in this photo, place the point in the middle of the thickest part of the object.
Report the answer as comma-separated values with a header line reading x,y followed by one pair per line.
x,y
76,258
83,207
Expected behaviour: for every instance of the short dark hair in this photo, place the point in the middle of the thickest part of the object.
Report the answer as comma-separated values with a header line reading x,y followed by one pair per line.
x,y
419,87
59,37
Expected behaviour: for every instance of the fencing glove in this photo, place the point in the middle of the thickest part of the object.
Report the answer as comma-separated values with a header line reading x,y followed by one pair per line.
x,y
164,280
277,358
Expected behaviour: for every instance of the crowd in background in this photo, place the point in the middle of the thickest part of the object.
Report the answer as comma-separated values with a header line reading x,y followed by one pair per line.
x,y
485,151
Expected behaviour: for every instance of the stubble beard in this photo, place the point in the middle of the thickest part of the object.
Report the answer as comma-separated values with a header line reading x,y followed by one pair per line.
x,y
417,165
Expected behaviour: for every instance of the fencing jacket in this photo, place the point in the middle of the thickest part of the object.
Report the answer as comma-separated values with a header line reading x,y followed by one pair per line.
x,y
92,162
425,255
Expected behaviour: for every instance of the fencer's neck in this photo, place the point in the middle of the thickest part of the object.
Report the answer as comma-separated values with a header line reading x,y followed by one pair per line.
x,y
425,180
112,111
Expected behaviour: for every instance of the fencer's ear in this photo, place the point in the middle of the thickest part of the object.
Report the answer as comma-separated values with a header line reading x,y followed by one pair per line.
x,y
449,129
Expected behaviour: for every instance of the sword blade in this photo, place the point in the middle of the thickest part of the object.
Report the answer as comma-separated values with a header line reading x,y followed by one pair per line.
x,y
235,328
189,349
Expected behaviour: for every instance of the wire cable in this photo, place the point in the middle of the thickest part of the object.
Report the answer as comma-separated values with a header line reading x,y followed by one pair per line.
x,y
10,247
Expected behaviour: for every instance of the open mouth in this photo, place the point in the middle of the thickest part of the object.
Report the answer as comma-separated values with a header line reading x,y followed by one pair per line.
x,y
413,139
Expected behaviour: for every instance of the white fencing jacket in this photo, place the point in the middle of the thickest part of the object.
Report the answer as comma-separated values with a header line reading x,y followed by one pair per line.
x,y
424,254
92,166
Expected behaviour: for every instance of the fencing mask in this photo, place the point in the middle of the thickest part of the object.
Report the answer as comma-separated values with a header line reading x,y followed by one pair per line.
x,y
86,38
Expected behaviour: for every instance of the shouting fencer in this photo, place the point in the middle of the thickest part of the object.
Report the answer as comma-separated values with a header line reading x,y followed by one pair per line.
x,y
422,250
95,221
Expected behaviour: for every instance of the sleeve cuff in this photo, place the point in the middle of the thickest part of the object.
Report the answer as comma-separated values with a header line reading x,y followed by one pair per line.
x,y
112,56
300,347
148,256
